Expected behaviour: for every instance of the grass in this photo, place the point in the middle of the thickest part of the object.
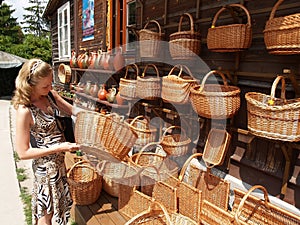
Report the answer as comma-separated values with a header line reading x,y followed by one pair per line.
x,y
26,198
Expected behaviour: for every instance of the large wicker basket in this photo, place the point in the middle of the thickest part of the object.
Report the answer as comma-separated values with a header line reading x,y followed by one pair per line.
x,y
127,87
215,101
229,38
176,88
85,183
150,40
274,118
64,73
148,86
281,34
185,44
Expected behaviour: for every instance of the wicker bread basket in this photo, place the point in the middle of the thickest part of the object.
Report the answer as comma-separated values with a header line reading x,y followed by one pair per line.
x,y
64,73
229,38
281,34
215,101
150,40
185,44
271,117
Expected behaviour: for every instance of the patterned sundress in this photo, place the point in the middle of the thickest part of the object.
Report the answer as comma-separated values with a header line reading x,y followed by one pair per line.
x,y
50,189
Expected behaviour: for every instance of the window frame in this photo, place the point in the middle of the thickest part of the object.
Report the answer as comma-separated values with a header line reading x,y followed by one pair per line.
x,y
129,48
61,10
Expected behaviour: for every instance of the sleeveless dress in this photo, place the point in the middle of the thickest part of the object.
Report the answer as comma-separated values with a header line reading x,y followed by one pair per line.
x,y
50,188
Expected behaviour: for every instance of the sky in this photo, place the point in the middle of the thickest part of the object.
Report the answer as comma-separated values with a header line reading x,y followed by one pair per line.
x,y
18,5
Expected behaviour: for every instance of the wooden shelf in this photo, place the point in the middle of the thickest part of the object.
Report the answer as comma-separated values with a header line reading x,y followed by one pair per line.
x,y
95,70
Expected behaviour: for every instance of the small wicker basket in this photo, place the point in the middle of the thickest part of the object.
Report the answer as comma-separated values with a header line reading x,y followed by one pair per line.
x,y
230,38
64,73
274,118
185,44
127,87
281,34
85,183
150,40
215,101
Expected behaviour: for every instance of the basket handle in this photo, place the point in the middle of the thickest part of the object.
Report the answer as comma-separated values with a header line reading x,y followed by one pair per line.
x,y
274,9
180,66
186,164
171,127
135,67
240,207
138,117
191,22
226,7
151,65
274,85
78,163
157,23
209,74
144,148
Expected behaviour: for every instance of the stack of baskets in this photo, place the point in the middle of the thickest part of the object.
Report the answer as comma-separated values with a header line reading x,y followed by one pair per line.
x,y
215,101
281,34
185,44
230,38
150,40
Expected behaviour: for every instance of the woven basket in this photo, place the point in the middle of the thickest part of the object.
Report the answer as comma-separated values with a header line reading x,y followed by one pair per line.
x,y
176,88
249,209
215,148
127,86
274,118
64,73
230,38
85,183
185,44
146,133
114,174
215,101
160,215
148,87
150,40
175,144
281,34
214,189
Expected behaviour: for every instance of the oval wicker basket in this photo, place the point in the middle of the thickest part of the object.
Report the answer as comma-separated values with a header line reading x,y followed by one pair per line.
x,y
215,101
127,87
64,73
271,117
185,44
85,183
281,34
230,38
150,40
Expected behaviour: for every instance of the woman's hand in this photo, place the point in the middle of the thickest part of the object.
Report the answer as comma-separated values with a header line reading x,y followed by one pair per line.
x,y
69,147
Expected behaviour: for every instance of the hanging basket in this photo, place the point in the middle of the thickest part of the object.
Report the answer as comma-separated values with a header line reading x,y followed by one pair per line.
x,y
148,87
271,117
281,34
64,73
127,86
185,44
176,88
85,183
230,38
215,101
150,40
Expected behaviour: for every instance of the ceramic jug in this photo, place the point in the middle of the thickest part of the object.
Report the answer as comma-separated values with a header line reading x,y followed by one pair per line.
x,y
94,90
73,60
102,92
111,95
92,59
87,87
119,60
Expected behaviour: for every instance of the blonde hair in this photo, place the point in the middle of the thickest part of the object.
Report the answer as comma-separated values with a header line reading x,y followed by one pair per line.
x,y
29,75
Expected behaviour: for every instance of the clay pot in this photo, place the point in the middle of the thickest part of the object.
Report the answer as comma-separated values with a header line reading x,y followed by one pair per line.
x,y
119,99
105,60
87,87
92,59
83,60
102,92
111,95
119,60
98,62
73,60
94,90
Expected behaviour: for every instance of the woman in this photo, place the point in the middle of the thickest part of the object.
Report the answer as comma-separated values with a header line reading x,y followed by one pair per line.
x,y
35,117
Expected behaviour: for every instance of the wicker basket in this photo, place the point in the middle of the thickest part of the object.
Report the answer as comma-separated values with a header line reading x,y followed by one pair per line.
x,y
185,44
146,132
176,88
150,40
249,209
64,73
281,34
85,183
127,87
215,148
159,216
148,87
175,144
230,38
215,101
274,118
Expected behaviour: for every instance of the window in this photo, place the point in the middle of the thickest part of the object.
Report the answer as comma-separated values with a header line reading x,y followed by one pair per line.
x,y
131,22
64,41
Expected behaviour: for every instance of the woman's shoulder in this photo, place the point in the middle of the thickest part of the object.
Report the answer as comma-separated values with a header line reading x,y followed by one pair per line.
x,y
23,110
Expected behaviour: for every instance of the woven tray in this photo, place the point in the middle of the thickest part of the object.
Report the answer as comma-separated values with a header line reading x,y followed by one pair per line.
x,y
230,38
281,34
271,117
